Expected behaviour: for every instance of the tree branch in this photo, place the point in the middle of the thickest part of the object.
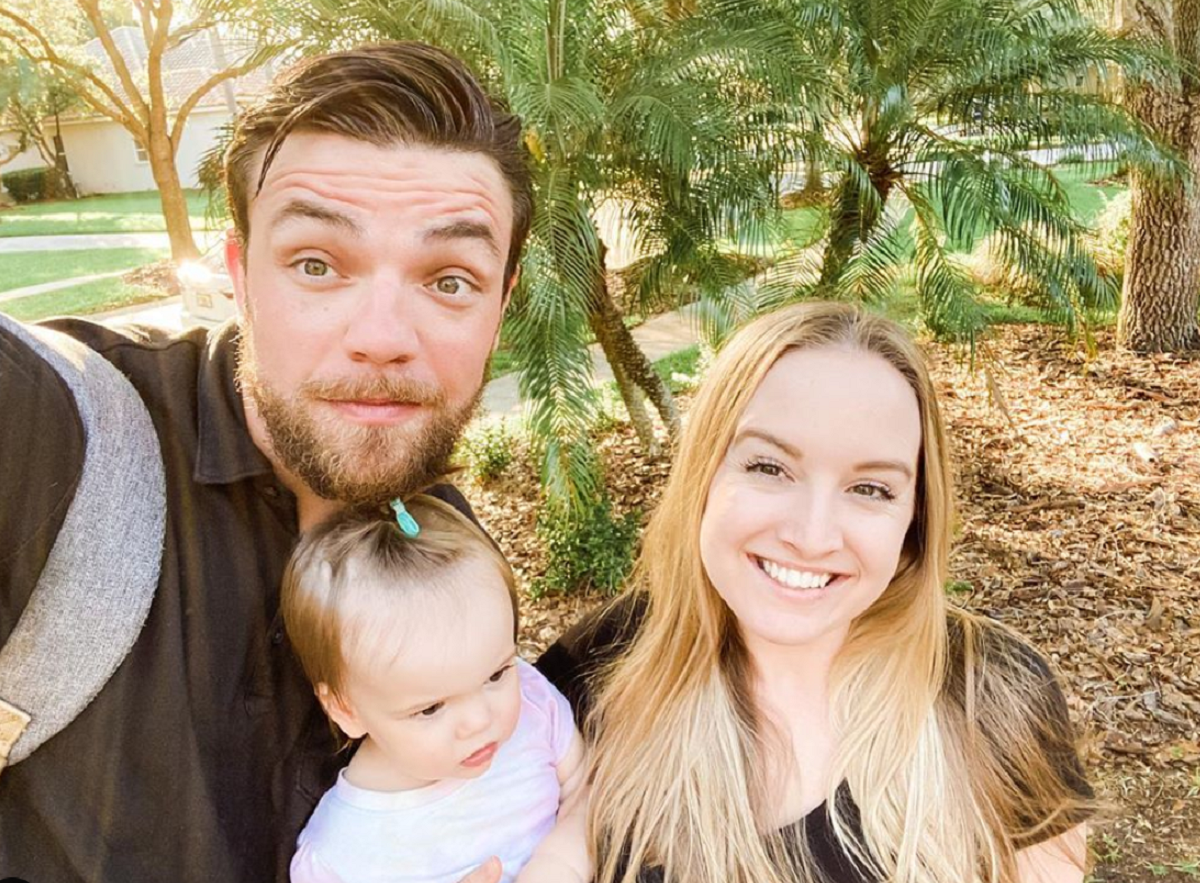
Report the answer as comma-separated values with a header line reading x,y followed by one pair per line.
x,y
257,61
122,114
91,9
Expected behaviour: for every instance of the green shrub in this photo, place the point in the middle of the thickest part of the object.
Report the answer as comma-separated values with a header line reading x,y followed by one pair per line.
x,y
27,185
588,549
1110,236
488,449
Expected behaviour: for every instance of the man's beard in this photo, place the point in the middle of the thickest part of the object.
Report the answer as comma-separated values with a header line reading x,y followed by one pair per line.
x,y
347,462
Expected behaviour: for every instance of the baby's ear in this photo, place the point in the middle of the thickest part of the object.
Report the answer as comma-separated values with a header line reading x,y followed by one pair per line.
x,y
340,712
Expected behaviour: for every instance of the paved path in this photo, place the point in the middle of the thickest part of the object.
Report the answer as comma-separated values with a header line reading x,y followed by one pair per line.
x,y
14,293
658,337
77,241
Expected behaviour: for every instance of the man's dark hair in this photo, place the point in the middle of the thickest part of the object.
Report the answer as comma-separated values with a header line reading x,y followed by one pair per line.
x,y
407,93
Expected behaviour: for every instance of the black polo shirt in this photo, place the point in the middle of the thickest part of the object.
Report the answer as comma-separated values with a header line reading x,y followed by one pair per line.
x,y
203,756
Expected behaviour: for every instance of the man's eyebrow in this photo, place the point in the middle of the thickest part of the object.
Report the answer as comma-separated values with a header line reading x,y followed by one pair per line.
x,y
297,209
464,230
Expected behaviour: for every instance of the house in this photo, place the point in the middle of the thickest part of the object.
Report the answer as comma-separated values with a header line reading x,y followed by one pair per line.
x,y
103,156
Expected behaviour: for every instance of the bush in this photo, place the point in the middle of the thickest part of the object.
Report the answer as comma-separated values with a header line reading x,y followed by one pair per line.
x,y
588,549
1110,236
488,449
27,185
33,185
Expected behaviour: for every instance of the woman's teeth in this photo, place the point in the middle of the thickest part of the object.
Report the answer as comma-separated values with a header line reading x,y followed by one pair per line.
x,y
794,579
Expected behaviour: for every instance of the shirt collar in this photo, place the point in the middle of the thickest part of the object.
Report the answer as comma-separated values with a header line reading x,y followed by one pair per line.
x,y
225,451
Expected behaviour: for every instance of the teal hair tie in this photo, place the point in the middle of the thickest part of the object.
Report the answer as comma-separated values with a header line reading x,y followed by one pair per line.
x,y
408,524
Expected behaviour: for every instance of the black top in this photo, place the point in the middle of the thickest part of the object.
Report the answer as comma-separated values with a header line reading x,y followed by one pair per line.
x,y
203,756
572,662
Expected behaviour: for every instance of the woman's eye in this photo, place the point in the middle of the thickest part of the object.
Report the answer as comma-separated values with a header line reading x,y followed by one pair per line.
x,y
873,491
431,710
764,467
499,675
314,267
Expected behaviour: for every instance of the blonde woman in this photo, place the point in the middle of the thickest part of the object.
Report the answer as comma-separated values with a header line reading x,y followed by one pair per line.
x,y
785,695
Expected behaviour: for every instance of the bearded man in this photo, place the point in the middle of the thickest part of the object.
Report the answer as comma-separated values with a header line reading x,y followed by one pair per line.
x,y
380,203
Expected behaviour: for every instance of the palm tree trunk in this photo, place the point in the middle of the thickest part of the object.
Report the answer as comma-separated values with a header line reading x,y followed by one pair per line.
x,y
634,372
1161,296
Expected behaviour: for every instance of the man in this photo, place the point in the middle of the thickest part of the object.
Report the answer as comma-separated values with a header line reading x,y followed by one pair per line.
x,y
380,204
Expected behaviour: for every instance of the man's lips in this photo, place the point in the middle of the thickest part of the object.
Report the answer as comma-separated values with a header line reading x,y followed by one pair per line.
x,y
374,411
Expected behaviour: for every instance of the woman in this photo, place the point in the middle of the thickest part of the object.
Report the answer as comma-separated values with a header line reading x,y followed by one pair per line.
x,y
786,695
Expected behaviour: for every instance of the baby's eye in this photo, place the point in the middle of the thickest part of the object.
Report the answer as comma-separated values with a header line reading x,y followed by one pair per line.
x,y
498,676
873,491
431,710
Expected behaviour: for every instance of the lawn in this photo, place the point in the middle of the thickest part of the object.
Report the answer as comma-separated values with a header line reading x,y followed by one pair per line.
x,y
24,268
111,213
79,300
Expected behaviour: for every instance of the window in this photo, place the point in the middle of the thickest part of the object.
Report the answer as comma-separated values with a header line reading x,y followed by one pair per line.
x,y
140,152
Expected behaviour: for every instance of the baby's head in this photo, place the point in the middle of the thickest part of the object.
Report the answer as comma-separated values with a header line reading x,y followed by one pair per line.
x,y
409,642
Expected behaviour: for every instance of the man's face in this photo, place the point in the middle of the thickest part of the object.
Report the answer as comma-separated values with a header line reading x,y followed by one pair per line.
x,y
371,294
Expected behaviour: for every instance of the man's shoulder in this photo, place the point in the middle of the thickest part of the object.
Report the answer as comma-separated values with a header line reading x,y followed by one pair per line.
x,y
127,346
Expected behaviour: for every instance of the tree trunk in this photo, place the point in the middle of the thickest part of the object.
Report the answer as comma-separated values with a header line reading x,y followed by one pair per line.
x,y
1161,296
634,372
170,194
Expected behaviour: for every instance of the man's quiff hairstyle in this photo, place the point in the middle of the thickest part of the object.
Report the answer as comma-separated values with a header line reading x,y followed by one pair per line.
x,y
390,93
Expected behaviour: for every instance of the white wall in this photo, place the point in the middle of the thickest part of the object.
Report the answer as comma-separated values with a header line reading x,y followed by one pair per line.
x,y
103,159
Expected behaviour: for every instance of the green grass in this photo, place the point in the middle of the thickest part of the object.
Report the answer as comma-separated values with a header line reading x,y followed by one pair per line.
x,y
112,213
80,300
24,268
1087,197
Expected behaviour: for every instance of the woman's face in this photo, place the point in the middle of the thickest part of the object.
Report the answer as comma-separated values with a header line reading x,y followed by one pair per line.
x,y
808,511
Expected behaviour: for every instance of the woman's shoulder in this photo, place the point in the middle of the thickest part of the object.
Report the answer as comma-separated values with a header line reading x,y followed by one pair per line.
x,y
573,661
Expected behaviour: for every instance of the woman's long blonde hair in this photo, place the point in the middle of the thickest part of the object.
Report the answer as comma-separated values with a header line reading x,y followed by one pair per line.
x,y
678,776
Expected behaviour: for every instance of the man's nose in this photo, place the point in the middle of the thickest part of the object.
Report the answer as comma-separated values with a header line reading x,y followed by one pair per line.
x,y
383,325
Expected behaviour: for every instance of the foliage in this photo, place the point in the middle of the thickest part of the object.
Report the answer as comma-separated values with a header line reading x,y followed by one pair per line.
x,y
1109,236
130,84
29,185
488,448
586,547
930,129
30,96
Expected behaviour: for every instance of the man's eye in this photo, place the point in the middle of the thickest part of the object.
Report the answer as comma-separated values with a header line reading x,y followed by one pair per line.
x,y
451,285
314,267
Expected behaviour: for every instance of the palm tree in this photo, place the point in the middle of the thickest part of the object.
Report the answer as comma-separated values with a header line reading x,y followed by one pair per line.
x,y
660,111
943,124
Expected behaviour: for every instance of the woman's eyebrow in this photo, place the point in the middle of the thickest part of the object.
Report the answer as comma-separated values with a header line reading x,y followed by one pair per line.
x,y
771,439
885,466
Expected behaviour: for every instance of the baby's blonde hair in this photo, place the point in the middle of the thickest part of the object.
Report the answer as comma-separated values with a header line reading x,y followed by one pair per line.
x,y
363,551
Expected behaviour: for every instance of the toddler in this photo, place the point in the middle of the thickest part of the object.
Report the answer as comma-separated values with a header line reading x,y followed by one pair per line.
x,y
406,627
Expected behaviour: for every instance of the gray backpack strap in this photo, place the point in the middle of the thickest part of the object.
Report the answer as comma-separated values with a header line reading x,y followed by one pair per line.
x,y
98,582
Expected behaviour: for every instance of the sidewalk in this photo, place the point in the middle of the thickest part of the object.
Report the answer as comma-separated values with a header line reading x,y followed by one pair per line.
x,y
658,337
14,293
76,241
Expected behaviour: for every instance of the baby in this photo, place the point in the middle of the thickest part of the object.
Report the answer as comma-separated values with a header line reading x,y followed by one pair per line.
x,y
406,627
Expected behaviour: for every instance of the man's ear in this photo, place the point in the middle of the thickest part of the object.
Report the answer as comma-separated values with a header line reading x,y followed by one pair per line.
x,y
340,712
235,266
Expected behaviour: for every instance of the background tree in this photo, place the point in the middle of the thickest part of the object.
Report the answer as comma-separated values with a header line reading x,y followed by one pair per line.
x,y
1161,296
943,125
135,96
32,101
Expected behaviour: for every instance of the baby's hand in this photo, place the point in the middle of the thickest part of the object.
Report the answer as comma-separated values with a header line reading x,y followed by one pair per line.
x,y
488,872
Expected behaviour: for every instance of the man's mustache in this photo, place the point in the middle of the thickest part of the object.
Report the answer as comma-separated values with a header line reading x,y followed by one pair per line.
x,y
398,390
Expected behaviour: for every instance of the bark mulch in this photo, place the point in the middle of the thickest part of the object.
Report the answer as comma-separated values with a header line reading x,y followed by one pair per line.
x,y
1079,525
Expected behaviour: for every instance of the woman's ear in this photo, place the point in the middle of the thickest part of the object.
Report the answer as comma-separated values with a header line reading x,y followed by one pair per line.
x,y
340,712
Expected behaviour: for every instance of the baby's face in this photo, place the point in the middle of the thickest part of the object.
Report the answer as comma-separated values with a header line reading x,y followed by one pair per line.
x,y
434,688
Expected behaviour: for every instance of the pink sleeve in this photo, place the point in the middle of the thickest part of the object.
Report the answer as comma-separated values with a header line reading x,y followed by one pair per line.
x,y
308,868
552,707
